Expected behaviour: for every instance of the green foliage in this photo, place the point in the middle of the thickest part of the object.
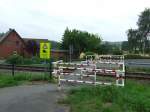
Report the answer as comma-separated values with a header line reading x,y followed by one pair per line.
x,y
134,97
137,38
125,46
2,34
15,59
19,78
136,56
80,40
117,52
104,48
108,48
89,53
27,61
138,69
6,81
144,22
36,60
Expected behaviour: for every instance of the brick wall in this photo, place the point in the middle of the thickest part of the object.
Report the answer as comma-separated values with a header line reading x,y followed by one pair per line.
x,y
12,44
59,54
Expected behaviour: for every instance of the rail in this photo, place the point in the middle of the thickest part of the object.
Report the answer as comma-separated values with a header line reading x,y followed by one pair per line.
x,y
132,75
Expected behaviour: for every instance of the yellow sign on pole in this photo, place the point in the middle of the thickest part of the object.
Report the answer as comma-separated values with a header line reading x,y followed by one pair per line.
x,y
45,50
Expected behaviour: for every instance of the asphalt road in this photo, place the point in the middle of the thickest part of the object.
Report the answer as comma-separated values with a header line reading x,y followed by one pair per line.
x,y
138,63
31,98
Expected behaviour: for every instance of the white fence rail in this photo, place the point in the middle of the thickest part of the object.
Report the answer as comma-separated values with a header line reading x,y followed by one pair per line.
x,y
89,68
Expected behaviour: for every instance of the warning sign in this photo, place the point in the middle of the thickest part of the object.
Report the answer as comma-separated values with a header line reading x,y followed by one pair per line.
x,y
45,50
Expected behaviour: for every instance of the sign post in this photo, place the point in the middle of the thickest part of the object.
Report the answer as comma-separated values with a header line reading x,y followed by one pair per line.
x,y
45,48
70,52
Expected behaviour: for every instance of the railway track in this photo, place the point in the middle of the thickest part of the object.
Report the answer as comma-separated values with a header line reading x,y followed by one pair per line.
x,y
23,68
144,76
26,68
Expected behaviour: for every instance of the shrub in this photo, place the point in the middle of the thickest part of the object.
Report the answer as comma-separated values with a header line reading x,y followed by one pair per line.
x,y
36,60
15,59
27,61
89,53
117,52
82,55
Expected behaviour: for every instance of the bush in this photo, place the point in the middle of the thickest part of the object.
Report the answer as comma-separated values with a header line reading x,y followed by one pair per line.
x,y
27,61
117,52
82,55
89,53
15,59
36,60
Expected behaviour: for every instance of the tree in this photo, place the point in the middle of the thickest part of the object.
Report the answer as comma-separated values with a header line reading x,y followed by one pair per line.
x,y
81,41
138,38
125,46
104,48
109,48
2,34
144,23
132,40
144,27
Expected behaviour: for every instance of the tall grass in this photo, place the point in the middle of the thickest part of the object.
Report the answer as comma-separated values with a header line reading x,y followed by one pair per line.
x,y
138,69
134,97
19,78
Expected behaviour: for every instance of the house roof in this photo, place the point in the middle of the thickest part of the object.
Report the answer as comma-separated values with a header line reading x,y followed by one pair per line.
x,y
23,39
35,39
6,34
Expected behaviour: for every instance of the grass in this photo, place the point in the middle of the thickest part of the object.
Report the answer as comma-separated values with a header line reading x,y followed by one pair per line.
x,y
138,69
134,97
7,80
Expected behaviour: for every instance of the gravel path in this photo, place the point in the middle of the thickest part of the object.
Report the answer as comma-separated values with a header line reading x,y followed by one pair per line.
x,y
31,98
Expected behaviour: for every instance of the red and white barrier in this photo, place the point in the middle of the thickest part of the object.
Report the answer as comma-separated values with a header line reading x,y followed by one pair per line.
x,y
87,68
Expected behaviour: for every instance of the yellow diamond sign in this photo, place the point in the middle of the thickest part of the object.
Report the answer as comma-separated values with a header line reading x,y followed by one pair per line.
x,y
45,50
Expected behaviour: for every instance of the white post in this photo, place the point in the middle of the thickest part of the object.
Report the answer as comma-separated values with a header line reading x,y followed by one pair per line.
x,y
59,83
95,77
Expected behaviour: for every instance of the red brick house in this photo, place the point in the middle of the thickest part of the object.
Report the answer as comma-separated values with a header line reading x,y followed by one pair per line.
x,y
11,42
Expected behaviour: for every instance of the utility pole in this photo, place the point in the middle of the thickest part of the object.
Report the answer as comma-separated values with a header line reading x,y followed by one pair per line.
x,y
70,52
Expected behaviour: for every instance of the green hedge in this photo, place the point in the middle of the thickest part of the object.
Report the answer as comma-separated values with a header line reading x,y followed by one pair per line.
x,y
136,56
89,53
17,59
14,59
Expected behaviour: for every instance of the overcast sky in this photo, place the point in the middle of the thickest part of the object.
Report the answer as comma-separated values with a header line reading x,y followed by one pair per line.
x,y
49,18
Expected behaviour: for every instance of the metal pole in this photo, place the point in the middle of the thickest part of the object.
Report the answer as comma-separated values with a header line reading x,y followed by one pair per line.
x,y
59,83
45,69
95,77
125,74
50,69
13,70
70,52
